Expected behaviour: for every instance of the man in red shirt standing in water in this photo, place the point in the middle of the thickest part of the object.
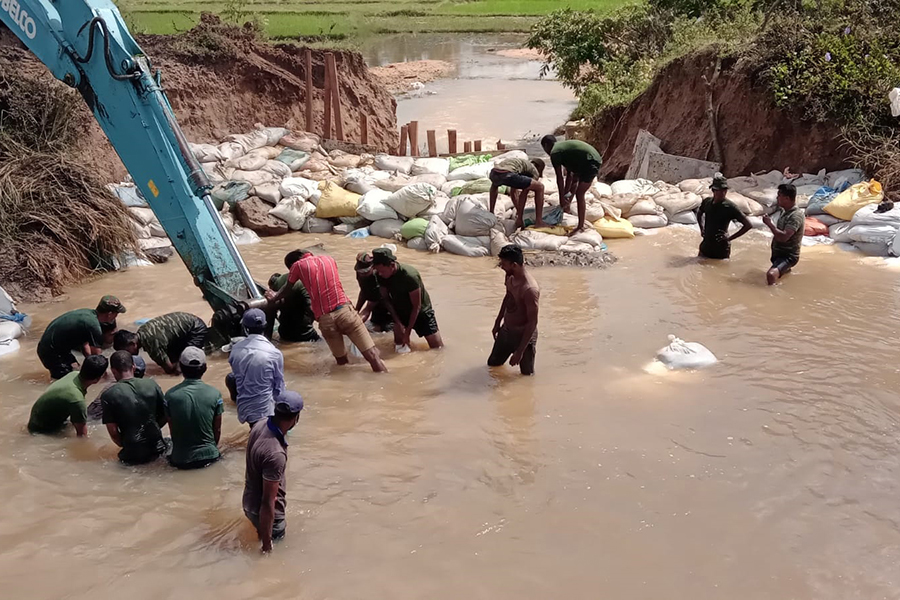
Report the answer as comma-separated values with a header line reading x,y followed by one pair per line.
x,y
332,308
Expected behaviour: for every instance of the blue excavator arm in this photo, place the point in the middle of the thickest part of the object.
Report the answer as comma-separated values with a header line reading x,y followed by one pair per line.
x,y
86,44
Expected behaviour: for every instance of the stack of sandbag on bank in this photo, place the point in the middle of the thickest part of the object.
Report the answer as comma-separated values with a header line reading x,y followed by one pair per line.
x,y
152,238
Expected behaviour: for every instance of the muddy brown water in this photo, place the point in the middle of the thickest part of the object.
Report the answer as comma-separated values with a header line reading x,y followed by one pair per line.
x,y
774,474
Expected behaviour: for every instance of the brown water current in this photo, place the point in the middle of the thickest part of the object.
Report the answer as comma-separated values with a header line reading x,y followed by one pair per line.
x,y
773,474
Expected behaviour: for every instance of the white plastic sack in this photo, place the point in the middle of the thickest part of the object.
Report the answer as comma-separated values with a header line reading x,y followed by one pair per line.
x,y
250,141
838,232
677,202
306,189
229,150
872,234
412,199
144,216
685,355
434,179
276,168
696,186
649,221
274,134
767,196
268,192
644,206
851,176
817,179
472,172
433,166
372,206
248,162
243,236
867,216
401,164
643,187
589,236
601,190
685,218
156,230
394,183
10,330
537,240
294,211
386,228
466,246
739,184
317,225
417,243
771,179
472,220
206,152
499,240
520,154
448,187
577,248
874,248
828,220
440,203
435,233
253,177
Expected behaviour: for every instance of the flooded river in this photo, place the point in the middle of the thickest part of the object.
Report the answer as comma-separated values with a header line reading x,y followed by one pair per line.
x,y
774,474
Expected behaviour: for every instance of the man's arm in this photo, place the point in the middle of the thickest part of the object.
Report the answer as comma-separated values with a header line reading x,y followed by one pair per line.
x,y
114,435
386,297
278,376
80,429
780,236
415,297
560,182
88,350
530,304
745,222
493,197
161,415
217,427
267,514
499,321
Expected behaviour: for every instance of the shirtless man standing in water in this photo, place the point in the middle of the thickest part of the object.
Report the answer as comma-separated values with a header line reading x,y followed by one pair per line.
x,y
515,330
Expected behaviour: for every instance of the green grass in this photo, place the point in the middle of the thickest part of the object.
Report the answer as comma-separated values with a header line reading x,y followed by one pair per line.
x,y
299,19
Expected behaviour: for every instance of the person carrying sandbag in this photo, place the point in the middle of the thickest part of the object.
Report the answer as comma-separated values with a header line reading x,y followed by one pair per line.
x,y
714,216
788,234
582,164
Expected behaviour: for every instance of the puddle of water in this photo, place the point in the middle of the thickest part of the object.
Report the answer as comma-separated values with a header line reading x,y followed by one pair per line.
x,y
487,97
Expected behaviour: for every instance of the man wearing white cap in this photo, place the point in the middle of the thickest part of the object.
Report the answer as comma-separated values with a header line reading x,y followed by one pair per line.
x,y
257,371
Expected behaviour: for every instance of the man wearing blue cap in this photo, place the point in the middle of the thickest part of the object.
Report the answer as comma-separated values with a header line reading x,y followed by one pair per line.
x,y
264,479
257,371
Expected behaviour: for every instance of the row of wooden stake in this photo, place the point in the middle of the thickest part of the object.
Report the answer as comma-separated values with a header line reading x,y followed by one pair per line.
x,y
409,136
332,100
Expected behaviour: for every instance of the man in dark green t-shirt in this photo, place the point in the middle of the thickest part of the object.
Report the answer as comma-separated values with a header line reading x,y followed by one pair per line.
x,y
714,216
64,399
582,164
294,313
406,298
194,410
787,234
370,305
133,412
81,330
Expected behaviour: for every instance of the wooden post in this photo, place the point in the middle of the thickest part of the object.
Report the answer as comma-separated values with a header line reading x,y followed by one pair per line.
x,y
413,138
335,96
432,143
451,141
404,136
326,95
467,146
309,91
363,129
477,145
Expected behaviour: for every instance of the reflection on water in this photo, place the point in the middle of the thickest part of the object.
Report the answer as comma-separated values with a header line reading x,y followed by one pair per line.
x,y
773,474
487,97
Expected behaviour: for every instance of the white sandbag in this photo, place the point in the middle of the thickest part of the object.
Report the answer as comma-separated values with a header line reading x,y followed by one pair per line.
x,y
755,222
250,141
696,186
872,234
141,232
767,196
746,205
677,202
577,248
9,347
601,190
688,217
874,248
253,177
268,192
466,246
249,162
472,220
828,220
386,228
520,154
624,202
867,216
229,150
394,183
739,184
435,233
303,141
243,236
156,230
649,221
273,134
471,172
448,187
372,206
155,243
770,179
836,179
10,330
440,203
529,239
430,166
816,179
593,211
343,160
400,164
206,152
499,240
634,186
589,236
361,181
839,232
144,216
343,229
417,243
294,211
685,355
276,168
551,189
644,206
431,179
317,225
412,199
306,189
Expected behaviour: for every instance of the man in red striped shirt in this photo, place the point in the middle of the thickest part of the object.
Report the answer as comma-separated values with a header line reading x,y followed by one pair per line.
x,y
333,310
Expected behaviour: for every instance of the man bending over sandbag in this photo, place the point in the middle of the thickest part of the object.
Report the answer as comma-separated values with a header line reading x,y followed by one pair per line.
x,y
407,299
714,216
788,233
582,163
520,176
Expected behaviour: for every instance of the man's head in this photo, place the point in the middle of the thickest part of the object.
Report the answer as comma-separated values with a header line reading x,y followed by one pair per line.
x,y
92,369
287,410
384,261
293,256
719,186
539,165
126,340
273,282
787,196
547,143
122,365
511,259
364,264
108,309
254,321
193,363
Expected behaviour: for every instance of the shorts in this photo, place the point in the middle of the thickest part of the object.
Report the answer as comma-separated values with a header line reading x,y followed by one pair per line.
x,y
505,346
381,318
300,332
279,527
425,325
784,263
344,321
589,172
59,365
508,178
197,464
718,251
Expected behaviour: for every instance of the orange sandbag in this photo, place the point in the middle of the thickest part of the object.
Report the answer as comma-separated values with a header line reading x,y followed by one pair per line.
x,y
814,227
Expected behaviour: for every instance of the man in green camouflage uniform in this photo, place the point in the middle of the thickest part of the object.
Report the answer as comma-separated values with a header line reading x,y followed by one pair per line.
x,y
165,337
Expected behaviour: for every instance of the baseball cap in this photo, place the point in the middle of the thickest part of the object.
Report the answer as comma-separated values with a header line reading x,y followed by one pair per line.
x,y
719,182
288,403
363,262
110,304
193,356
383,256
254,318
